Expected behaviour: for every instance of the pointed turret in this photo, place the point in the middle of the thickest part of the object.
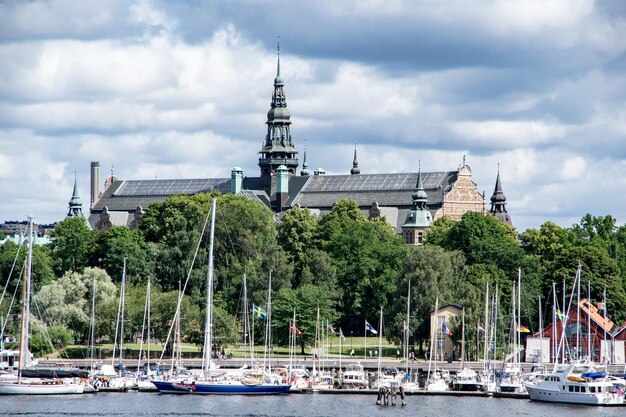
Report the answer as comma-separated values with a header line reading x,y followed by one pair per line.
x,y
278,147
419,218
75,205
498,203
355,164
305,167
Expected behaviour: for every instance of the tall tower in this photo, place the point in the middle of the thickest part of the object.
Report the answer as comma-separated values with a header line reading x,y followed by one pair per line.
x,y
278,148
498,203
419,219
75,205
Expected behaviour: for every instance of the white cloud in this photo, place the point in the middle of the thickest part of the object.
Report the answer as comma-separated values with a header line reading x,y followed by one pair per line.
x,y
122,82
508,134
573,169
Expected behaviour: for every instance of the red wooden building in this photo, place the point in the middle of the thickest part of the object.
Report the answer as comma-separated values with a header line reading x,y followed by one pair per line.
x,y
585,332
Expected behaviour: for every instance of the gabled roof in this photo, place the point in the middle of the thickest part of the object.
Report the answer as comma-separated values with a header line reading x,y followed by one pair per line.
x,y
386,189
604,323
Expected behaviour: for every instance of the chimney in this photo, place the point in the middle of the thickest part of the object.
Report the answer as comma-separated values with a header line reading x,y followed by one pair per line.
x,y
282,187
95,183
236,180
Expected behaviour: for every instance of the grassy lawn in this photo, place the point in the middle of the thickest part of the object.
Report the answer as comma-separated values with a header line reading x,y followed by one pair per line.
x,y
189,350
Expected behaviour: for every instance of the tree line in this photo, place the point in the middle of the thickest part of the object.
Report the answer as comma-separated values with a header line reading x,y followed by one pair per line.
x,y
343,264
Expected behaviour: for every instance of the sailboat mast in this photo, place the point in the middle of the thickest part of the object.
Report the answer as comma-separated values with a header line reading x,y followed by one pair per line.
x,y
486,324
554,352
578,313
513,332
146,307
26,302
268,329
433,339
208,325
518,335
605,316
463,339
589,319
92,324
540,330
120,318
148,354
292,341
247,337
406,331
123,301
380,340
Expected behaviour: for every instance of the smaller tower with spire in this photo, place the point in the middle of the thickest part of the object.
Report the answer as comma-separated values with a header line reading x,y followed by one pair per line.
x,y
355,164
498,203
419,219
75,205
305,167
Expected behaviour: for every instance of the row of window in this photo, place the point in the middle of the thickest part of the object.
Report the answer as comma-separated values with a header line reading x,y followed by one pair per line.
x,y
578,388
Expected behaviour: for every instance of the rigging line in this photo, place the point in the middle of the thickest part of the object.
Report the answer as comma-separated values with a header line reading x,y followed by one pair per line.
x,y
180,298
6,320
11,271
44,319
44,329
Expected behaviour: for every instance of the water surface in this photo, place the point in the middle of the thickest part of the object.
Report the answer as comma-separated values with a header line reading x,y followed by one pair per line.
x,y
152,404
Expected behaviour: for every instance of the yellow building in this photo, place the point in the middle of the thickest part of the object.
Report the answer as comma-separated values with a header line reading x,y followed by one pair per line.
x,y
442,324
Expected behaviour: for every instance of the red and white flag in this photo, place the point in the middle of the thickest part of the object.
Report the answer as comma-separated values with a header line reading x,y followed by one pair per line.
x,y
294,329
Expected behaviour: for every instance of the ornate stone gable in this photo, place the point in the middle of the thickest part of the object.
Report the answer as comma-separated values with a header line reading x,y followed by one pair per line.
x,y
463,196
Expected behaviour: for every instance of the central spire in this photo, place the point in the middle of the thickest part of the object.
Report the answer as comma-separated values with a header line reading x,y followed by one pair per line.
x,y
278,147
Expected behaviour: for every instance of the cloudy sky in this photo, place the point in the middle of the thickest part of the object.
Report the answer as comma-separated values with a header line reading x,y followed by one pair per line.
x,y
180,89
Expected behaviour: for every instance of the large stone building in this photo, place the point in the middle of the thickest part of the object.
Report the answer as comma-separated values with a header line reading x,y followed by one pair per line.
x,y
408,201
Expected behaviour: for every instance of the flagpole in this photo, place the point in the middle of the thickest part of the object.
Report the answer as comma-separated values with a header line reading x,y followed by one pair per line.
x,y
340,350
365,349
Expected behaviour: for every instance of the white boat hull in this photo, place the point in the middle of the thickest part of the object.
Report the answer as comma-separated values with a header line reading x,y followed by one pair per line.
x,y
556,396
39,388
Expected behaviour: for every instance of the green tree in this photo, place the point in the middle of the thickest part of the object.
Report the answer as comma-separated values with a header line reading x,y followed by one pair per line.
x,y
318,269
176,225
305,301
367,256
439,231
483,239
295,235
63,303
71,245
45,341
13,262
434,273
117,243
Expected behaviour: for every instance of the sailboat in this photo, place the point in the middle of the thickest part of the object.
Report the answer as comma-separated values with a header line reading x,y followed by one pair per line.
x,y
466,379
408,384
436,380
143,382
247,382
109,379
34,386
511,377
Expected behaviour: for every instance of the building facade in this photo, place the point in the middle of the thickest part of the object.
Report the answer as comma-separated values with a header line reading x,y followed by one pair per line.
x,y
409,202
